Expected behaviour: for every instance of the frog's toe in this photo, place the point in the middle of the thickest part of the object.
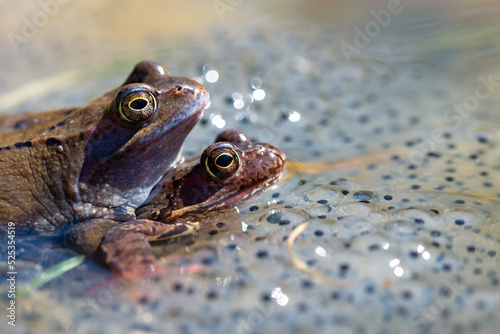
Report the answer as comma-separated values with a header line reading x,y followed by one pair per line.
x,y
127,254
138,271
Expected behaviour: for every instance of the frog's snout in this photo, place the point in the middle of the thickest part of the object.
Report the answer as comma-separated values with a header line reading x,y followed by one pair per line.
x,y
202,95
197,92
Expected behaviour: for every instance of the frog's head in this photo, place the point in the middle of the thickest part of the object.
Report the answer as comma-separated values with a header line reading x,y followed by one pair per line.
x,y
139,136
229,171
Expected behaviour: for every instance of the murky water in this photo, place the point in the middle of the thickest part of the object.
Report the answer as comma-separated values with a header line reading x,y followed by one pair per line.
x,y
387,220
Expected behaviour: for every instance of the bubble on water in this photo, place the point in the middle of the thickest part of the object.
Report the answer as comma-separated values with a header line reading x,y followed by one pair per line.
x,y
212,76
402,228
259,94
364,195
256,83
319,193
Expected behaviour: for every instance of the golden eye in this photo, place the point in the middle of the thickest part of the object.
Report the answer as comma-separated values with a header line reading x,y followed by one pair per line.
x,y
137,105
221,160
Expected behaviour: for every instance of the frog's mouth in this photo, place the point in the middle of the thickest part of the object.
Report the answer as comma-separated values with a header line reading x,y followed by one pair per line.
x,y
224,200
245,194
168,143
181,115
258,173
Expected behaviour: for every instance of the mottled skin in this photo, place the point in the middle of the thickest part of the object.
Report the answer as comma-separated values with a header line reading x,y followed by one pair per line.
x,y
87,169
177,204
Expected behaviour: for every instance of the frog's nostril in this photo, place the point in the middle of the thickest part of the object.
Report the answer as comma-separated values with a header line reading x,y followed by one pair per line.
x,y
178,88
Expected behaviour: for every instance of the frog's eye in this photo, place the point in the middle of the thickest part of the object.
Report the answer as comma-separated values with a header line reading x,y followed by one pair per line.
x,y
137,105
221,160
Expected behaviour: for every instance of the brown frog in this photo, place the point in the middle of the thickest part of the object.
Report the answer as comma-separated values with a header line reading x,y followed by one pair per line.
x,y
87,169
229,171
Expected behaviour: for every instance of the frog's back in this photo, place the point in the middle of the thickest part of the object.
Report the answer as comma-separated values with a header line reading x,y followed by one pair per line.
x,y
40,157
29,125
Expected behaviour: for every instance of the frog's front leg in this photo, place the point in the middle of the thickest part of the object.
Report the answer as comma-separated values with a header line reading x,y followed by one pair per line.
x,y
126,247
85,237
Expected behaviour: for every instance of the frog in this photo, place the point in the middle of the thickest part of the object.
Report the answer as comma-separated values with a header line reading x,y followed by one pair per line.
x,y
79,171
229,172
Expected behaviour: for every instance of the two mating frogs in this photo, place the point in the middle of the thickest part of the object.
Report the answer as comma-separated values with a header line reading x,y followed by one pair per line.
x,y
107,175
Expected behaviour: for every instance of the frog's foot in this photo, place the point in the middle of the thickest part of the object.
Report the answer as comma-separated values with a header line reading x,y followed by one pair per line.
x,y
128,254
127,251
